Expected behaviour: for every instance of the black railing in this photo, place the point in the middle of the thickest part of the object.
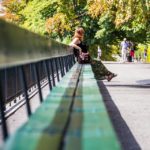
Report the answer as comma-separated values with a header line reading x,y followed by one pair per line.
x,y
26,59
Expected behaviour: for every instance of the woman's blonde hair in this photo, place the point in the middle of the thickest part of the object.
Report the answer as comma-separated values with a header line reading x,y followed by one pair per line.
x,y
79,33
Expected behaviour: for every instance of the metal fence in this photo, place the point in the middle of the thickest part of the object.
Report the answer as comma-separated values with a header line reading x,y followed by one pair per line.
x,y
26,59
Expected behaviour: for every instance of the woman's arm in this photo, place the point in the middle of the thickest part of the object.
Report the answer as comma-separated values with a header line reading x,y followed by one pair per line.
x,y
74,44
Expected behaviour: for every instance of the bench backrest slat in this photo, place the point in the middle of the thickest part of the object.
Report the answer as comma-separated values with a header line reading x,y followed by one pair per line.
x,y
19,46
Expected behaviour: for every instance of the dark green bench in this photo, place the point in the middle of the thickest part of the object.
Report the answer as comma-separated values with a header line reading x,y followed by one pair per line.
x,y
72,117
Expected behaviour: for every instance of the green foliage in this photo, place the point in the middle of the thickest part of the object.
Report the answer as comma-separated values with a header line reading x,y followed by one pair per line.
x,y
35,15
49,10
106,23
140,52
14,6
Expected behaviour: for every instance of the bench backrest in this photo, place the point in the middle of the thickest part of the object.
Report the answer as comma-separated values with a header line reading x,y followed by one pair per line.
x,y
28,60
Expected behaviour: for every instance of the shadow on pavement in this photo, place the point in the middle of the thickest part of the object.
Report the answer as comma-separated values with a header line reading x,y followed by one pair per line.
x,y
123,132
144,86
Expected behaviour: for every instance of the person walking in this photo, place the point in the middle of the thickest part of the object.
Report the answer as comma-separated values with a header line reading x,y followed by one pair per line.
x,y
99,53
124,50
132,49
100,71
145,55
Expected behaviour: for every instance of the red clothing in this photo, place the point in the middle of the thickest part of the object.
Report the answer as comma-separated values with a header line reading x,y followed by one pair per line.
x,y
132,53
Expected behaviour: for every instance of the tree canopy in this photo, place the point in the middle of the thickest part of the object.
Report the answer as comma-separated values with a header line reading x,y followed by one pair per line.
x,y
106,22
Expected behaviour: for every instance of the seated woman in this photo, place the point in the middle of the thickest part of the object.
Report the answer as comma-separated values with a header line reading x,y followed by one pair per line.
x,y
80,49
100,71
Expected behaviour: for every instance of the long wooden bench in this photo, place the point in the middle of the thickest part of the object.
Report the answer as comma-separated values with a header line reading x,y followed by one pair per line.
x,y
72,117
90,127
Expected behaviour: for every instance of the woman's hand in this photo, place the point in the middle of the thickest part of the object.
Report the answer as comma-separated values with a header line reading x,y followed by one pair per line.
x,y
80,50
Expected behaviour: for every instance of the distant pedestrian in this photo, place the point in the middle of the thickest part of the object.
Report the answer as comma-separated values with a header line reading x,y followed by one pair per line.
x,y
145,55
99,53
140,57
124,49
132,49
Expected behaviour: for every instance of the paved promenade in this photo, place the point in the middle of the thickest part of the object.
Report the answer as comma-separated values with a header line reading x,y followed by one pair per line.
x,y
127,98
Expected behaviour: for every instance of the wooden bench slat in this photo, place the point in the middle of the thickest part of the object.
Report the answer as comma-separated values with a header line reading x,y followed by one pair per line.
x,y
90,126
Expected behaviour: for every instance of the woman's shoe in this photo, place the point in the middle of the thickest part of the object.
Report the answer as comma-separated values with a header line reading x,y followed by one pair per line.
x,y
109,77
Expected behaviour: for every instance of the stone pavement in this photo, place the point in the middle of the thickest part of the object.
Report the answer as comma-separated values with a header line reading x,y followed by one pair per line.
x,y
127,98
